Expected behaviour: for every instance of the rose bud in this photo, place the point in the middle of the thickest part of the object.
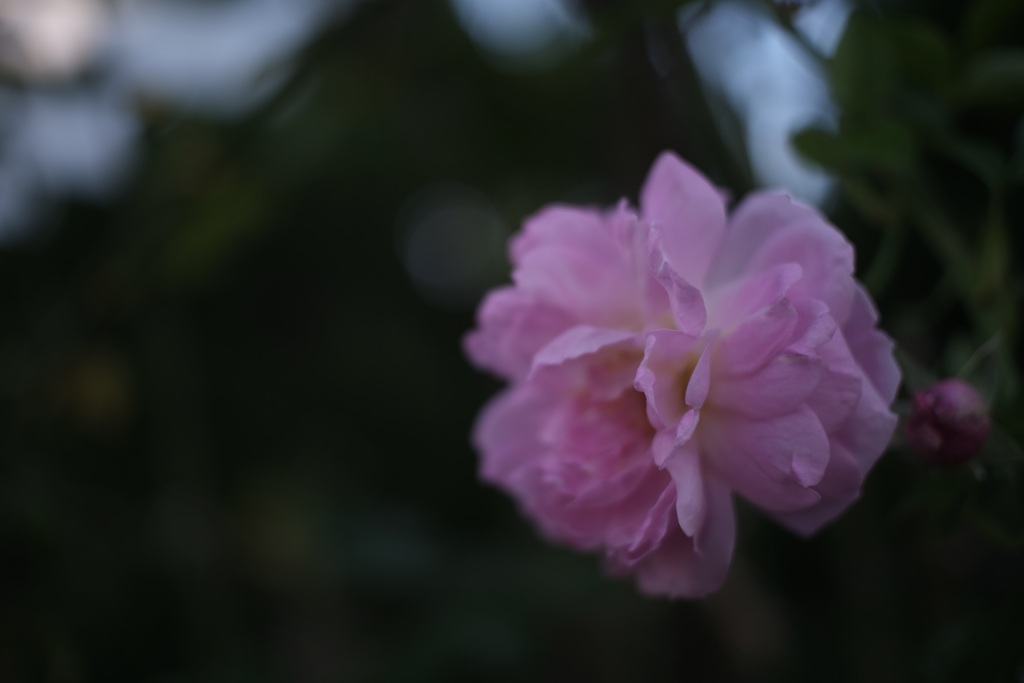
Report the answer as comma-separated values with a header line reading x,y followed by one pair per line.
x,y
949,422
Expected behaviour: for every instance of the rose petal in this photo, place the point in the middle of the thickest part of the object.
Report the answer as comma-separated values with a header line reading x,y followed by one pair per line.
x,y
826,258
838,488
866,433
686,567
871,348
571,259
686,301
575,228
602,361
513,326
777,388
756,219
770,462
684,466
688,213
506,433
757,339
658,376
746,295
700,379
839,391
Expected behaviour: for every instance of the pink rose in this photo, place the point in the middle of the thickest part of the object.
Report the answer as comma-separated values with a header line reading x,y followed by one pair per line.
x,y
660,363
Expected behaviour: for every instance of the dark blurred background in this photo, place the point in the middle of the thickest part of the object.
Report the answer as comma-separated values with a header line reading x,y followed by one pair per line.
x,y
240,241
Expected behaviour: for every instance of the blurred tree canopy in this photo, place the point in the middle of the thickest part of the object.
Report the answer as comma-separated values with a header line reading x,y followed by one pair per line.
x,y
234,425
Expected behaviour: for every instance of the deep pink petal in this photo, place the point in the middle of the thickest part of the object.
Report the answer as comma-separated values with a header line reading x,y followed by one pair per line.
x,y
770,462
688,212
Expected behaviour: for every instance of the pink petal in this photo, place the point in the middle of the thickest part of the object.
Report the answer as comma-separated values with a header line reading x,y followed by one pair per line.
x,y
871,348
571,259
770,462
512,327
684,567
814,326
687,426
563,226
839,488
665,357
607,492
777,388
868,430
751,292
684,466
506,433
839,391
641,540
633,235
700,379
753,222
662,446
688,212
600,360
667,441
609,512
826,258
757,339
593,291
686,301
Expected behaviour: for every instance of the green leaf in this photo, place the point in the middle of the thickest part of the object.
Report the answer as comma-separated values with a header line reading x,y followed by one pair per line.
x,y
987,21
915,375
924,54
1003,449
982,369
981,159
996,77
210,237
860,70
1015,168
884,145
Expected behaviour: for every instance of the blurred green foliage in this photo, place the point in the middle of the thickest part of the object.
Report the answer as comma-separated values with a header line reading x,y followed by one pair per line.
x,y
235,439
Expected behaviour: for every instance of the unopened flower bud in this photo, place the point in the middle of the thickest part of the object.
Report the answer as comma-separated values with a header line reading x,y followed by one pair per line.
x,y
949,422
